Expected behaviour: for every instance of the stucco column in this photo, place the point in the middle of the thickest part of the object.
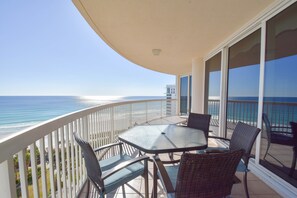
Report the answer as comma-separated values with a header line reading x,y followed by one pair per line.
x,y
197,85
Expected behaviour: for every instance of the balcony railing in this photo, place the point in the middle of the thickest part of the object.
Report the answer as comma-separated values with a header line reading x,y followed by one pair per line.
x,y
280,113
45,161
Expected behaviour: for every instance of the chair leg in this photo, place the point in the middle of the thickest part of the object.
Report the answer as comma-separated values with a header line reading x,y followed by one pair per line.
x,y
123,189
170,156
154,193
88,188
245,185
293,163
146,179
266,150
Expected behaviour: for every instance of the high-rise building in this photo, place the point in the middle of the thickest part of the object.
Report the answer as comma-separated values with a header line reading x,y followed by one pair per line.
x,y
170,94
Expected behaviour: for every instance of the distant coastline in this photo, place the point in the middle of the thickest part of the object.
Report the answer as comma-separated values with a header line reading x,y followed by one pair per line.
x,y
20,112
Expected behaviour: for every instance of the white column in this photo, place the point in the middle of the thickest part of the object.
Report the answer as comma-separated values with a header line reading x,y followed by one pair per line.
x,y
197,85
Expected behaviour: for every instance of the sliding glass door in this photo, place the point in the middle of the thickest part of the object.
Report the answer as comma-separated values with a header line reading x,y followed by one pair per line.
x,y
278,146
212,90
243,82
185,94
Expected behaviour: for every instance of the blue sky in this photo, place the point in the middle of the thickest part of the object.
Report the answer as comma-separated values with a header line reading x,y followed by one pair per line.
x,y
280,79
244,81
47,48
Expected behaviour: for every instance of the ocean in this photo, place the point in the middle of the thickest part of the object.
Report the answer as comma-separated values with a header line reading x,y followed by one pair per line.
x,y
20,112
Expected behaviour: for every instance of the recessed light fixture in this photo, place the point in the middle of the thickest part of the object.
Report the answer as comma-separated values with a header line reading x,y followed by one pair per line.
x,y
156,52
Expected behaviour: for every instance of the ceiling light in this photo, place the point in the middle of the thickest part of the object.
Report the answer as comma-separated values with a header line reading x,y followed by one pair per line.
x,y
156,52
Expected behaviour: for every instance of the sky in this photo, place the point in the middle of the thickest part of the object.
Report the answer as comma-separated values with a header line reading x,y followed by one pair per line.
x,y
244,81
47,48
279,81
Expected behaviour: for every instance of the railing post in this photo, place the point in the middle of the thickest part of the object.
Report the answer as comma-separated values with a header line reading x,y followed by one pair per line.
x,y
85,128
23,172
57,158
130,115
7,181
161,115
64,187
51,165
112,124
34,170
43,168
146,112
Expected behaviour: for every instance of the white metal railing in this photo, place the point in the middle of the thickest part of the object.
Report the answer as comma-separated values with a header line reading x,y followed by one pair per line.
x,y
45,161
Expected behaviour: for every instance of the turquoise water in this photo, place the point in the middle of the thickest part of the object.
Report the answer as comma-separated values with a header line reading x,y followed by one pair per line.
x,y
20,112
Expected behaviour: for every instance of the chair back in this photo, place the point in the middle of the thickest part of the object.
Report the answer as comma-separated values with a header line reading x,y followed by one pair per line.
x,y
243,137
199,121
207,175
93,168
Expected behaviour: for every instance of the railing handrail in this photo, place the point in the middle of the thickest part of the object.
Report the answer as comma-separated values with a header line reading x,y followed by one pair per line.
x,y
19,140
254,101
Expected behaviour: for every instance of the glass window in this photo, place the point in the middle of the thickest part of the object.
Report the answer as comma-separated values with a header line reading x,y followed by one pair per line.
x,y
212,89
280,95
184,95
243,81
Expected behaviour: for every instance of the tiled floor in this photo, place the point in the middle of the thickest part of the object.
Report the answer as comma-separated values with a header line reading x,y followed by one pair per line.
x,y
135,188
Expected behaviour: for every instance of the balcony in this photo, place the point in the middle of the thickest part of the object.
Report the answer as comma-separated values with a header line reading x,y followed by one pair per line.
x,y
45,160
29,159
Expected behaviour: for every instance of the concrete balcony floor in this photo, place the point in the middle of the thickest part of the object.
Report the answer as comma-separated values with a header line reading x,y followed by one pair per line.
x,y
135,188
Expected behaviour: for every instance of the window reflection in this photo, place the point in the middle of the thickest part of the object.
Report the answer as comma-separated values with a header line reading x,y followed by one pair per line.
x,y
212,89
243,82
184,95
280,95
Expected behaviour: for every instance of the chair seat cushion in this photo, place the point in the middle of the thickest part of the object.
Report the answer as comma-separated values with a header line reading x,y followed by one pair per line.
x,y
111,162
241,167
213,150
172,173
123,176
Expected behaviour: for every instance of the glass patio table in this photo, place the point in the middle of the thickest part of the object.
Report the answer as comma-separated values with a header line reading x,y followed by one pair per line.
x,y
157,139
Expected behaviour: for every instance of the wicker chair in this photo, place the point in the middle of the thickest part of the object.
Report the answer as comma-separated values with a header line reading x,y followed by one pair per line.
x,y
200,175
109,174
243,137
276,135
199,121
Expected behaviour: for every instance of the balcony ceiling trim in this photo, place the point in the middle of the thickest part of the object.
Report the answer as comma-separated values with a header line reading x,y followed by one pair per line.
x,y
182,30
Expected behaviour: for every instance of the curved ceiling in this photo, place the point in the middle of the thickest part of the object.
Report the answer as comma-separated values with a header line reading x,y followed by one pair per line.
x,y
181,29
